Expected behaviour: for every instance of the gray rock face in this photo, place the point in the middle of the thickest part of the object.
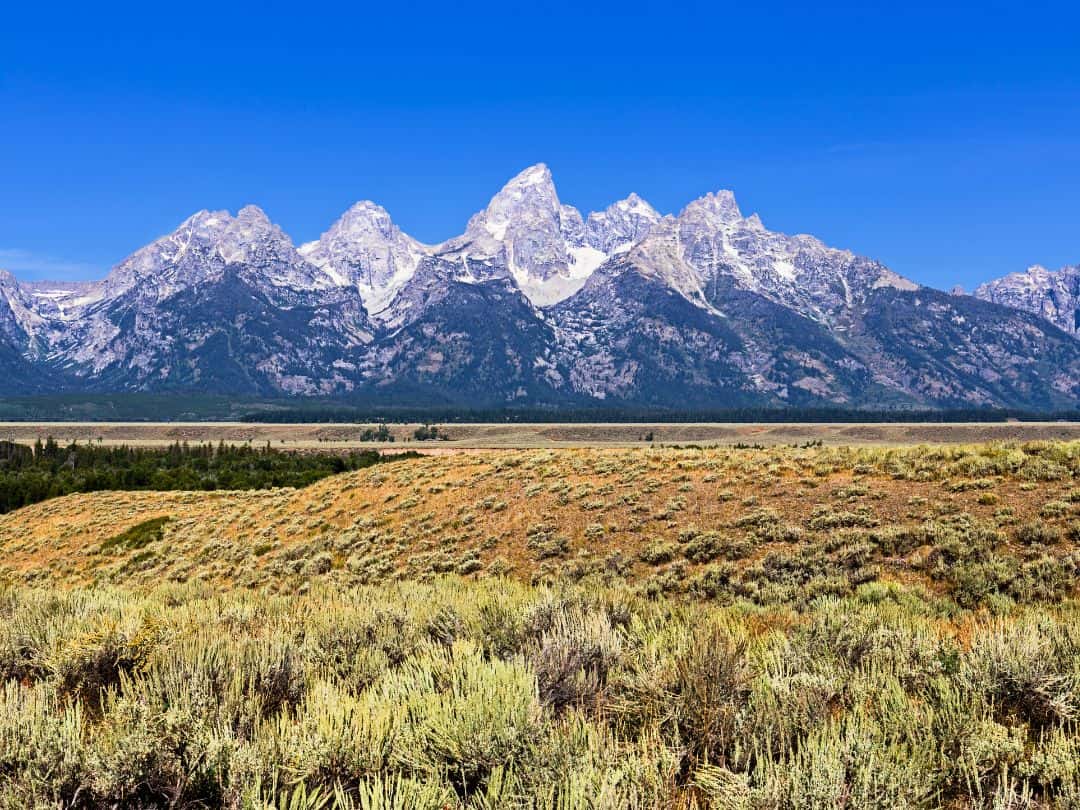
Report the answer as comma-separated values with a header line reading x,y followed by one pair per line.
x,y
1053,295
526,234
21,344
536,304
621,225
366,250
207,243
146,324
798,272
17,315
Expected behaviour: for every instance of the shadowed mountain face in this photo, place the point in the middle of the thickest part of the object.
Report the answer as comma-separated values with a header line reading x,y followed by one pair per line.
x,y
536,304
18,373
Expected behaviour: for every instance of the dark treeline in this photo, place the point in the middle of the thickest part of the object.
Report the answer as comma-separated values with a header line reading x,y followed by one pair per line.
x,y
188,407
602,415
47,470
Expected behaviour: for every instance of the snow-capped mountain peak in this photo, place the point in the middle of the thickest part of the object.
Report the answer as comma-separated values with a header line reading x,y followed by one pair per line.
x,y
537,176
534,302
366,250
1051,294
527,234
21,318
529,198
718,207
710,247
204,247
621,225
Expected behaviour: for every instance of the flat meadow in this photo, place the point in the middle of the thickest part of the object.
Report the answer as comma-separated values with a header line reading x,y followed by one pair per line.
x,y
775,626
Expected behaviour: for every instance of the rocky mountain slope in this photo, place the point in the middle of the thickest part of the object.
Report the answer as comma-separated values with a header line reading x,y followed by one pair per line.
x,y
20,323
533,304
1054,295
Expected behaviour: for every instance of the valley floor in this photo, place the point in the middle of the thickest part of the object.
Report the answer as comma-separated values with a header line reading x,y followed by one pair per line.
x,y
541,435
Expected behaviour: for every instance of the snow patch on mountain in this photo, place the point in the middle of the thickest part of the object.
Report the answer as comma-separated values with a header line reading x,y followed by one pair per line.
x,y
726,249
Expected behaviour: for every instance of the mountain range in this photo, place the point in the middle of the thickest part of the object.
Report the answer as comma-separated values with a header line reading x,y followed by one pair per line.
x,y
536,304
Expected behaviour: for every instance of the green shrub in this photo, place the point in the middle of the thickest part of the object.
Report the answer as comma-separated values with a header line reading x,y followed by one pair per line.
x,y
824,518
1037,533
1055,509
138,536
544,540
659,553
787,683
709,546
463,717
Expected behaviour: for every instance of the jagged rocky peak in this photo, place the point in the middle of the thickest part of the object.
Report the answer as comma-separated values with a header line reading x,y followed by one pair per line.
x,y
526,234
1050,294
710,248
532,188
716,208
20,318
204,246
218,227
10,293
705,307
621,225
526,206
366,250
718,242
250,235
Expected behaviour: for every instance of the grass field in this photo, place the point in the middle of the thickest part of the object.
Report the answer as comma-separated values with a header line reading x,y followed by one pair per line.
x,y
508,436
767,524
774,627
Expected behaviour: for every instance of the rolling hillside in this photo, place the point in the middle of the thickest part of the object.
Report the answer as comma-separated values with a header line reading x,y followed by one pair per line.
x,y
769,525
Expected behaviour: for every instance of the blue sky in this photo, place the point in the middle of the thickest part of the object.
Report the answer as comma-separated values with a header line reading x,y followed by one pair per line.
x,y
943,140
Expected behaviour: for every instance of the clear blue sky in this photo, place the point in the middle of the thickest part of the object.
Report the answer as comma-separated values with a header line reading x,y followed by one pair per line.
x,y
943,140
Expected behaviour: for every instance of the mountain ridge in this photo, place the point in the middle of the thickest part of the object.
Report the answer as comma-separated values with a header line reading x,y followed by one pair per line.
x,y
533,303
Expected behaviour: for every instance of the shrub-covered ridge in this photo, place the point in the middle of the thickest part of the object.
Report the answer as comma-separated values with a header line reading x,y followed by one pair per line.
x,y
778,526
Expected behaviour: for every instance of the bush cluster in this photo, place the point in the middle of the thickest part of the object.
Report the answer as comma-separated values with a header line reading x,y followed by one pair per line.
x,y
491,694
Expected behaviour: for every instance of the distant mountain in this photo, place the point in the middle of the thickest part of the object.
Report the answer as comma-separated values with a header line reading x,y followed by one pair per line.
x,y
19,347
1054,295
536,304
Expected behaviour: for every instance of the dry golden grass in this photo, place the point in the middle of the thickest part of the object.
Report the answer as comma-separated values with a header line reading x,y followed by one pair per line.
x,y
659,516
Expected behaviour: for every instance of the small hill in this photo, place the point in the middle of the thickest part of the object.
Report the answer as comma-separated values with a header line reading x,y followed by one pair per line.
x,y
776,525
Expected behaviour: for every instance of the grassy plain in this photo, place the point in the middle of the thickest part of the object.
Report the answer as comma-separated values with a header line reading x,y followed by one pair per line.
x,y
757,628
542,435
